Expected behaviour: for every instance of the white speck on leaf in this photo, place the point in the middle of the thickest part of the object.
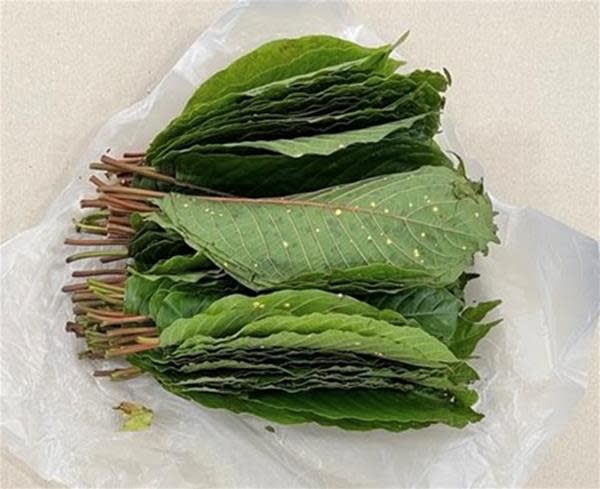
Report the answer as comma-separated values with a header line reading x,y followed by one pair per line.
x,y
338,212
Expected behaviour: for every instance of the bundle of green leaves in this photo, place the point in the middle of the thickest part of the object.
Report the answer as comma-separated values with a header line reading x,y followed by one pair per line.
x,y
297,246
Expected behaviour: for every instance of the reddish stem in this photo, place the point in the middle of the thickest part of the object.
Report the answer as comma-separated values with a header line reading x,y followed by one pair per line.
x,y
131,331
97,182
78,329
75,287
93,203
128,204
119,228
125,221
133,191
126,320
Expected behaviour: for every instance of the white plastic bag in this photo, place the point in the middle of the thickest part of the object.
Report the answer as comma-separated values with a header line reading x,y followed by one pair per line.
x,y
57,417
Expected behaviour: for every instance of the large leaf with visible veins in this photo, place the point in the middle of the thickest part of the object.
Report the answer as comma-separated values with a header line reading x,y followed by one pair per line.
x,y
386,233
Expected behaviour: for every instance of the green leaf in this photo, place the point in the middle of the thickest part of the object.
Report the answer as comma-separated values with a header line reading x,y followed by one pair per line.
x,y
179,264
229,314
470,330
371,406
206,114
278,60
327,144
436,310
254,173
358,410
169,297
331,331
480,311
379,101
390,233
183,303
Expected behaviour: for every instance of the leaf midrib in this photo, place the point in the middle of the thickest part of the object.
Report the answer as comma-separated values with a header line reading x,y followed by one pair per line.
x,y
342,207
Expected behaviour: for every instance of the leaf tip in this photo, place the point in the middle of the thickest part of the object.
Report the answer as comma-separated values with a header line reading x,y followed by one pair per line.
x,y
400,40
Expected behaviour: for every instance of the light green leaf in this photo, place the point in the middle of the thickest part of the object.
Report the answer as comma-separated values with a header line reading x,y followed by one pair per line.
x,y
229,314
393,232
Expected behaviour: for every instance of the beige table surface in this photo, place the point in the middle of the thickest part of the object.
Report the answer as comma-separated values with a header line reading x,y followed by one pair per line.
x,y
525,99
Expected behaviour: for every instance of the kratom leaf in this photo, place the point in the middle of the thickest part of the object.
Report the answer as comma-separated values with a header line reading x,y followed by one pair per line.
x,y
179,264
331,331
436,310
327,144
201,113
352,410
417,228
371,406
229,314
166,299
278,60
441,314
265,174
470,331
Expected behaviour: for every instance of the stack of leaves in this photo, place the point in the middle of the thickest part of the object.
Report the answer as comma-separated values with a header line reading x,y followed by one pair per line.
x,y
296,244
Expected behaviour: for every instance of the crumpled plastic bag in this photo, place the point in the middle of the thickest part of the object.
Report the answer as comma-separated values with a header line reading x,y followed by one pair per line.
x,y
58,418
